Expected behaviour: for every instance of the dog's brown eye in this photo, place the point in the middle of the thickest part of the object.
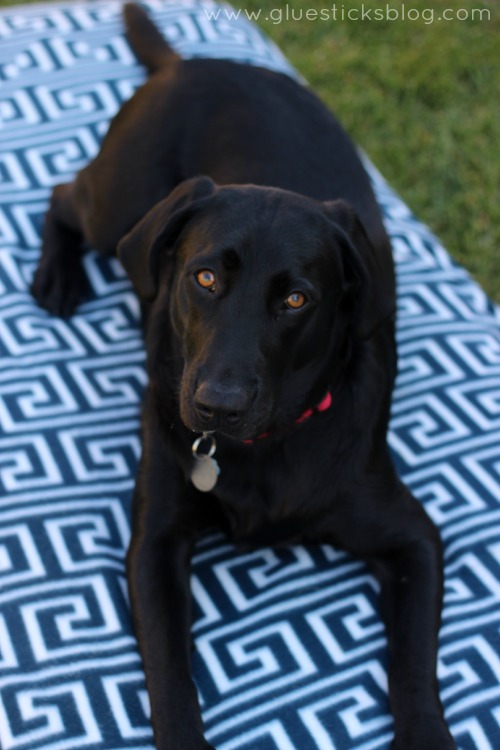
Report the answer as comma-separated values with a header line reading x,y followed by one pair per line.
x,y
206,279
295,300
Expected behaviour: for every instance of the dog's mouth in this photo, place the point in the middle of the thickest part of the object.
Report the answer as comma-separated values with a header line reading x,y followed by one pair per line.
x,y
245,431
234,409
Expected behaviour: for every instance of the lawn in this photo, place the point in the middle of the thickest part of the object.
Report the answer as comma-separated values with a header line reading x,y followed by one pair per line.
x,y
421,96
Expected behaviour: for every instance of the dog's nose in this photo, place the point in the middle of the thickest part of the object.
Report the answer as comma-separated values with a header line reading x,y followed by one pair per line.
x,y
221,404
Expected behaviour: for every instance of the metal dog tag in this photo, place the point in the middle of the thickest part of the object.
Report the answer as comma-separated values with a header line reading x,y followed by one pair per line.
x,y
206,470
205,473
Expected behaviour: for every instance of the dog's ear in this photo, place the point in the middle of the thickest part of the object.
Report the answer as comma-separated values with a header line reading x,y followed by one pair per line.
x,y
139,250
369,274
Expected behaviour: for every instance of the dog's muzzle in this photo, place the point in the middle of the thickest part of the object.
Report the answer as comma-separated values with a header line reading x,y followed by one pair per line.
x,y
222,406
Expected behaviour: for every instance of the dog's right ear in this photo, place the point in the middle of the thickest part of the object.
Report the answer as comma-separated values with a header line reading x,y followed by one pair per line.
x,y
139,250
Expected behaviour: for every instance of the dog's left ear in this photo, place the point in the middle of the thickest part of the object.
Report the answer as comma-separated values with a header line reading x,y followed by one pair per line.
x,y
139,250
369,272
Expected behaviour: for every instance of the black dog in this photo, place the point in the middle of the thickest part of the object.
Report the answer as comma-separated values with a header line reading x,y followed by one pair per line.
x,y
268,299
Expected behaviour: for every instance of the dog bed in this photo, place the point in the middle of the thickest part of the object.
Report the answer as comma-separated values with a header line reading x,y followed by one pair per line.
x,y
290,651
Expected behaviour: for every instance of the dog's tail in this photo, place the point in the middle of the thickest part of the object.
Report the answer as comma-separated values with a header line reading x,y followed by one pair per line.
x,y
148,44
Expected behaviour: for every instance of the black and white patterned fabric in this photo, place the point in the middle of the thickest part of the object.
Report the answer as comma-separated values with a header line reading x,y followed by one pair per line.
x,y
290,651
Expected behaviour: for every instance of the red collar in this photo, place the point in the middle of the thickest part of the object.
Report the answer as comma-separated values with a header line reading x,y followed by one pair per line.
x,y
324,405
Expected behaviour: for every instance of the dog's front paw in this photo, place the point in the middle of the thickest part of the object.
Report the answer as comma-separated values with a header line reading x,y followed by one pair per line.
x,y
201,745
60,286
431,735
181,738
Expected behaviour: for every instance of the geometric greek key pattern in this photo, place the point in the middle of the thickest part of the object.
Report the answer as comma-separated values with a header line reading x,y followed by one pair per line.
x,y
290,653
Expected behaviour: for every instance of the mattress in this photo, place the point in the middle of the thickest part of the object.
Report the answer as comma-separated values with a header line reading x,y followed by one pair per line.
x,y
290,652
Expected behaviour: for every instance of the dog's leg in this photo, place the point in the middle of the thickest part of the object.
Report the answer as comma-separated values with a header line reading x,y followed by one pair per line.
x,y
158,566
396,536
158,576
60,282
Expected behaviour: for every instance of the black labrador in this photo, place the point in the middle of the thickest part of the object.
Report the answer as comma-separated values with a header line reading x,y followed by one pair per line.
x,y
256,246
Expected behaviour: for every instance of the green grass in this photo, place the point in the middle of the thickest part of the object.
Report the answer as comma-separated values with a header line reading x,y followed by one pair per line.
x,y
422,99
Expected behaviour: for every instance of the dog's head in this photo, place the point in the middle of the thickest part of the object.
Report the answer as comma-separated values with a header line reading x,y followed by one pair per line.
x,y
268,292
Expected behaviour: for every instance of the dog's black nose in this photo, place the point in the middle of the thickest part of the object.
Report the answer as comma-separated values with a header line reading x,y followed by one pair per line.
x,y
221,404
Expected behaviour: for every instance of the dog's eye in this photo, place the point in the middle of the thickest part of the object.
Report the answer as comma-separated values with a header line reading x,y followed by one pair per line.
x,y
295,300
206,279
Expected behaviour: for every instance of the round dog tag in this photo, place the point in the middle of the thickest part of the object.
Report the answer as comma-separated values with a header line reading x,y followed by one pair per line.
x,y
205,473
206,470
